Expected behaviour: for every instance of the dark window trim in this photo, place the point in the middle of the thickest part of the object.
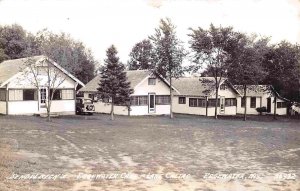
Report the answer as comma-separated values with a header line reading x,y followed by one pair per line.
x,y
151,78
253,102
183,98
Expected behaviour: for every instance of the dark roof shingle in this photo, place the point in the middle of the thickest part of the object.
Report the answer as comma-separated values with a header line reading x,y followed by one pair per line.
x,y
134,77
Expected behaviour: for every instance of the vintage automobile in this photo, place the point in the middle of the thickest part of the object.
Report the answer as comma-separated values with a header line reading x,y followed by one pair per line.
x,y
84,106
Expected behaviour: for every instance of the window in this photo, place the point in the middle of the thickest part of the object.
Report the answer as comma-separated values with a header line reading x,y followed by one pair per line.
x,y
139,100
223,87
15,95
195,102
67,94
151,81
106,100
2,95
201,103
281,105
29,95
212,102
143,100
41,70
56,94
230,102
91,96
162,100
181,100
243,102
253,102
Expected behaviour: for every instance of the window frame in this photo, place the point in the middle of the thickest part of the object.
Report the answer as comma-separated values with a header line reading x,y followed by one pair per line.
x,y
2,94
151,81
281,105
243,102
57,91
232,102
162,100
20,91
181,100
191,102
34,95
212,102
139,100
65,92
252,102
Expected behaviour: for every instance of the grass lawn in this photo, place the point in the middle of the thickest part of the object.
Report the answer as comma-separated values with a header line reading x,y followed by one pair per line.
x,y
149,153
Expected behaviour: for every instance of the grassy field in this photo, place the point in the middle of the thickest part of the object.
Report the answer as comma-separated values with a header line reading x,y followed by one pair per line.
x,y
149,153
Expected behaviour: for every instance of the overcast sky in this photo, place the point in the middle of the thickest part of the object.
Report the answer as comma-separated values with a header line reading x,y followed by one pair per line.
x,y
100,23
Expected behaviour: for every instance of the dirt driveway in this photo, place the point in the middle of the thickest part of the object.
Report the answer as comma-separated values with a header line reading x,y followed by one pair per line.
x,y
148,153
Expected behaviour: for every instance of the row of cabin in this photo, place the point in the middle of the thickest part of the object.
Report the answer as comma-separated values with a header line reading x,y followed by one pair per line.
x,y
191,95
23,91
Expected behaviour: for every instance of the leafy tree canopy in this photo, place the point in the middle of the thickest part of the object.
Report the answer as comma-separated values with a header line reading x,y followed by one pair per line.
x,y
15,43
141,56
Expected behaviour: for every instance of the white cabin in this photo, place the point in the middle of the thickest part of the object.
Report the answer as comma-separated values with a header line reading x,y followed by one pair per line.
x,y
197,96
261,96
151,95
24,89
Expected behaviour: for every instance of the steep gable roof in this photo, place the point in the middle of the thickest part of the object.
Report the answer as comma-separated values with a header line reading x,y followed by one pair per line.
x,y
133,76
10,68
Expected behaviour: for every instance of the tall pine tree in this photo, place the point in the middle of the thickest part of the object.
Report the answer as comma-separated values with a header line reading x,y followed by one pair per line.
x,y
113,84
168,53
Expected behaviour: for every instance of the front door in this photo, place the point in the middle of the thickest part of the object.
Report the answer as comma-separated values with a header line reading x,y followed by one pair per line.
x,y
43,97
151,103
269,105
222,104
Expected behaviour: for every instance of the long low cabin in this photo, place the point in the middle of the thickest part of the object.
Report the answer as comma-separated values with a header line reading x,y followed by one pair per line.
x,y
20,94
151,95
261,96
197,96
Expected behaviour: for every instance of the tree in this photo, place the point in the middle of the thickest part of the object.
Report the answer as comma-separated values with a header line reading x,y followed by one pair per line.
x,y
245,68
13,42
113,84
209,50
61,47
282,63
168,53
141,56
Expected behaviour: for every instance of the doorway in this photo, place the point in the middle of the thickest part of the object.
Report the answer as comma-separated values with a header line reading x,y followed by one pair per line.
x,y
151,103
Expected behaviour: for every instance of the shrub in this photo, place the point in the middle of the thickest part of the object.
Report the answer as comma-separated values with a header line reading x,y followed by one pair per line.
x,y
261,109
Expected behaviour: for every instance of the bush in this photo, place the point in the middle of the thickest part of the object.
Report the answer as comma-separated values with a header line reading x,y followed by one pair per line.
x,y
261,109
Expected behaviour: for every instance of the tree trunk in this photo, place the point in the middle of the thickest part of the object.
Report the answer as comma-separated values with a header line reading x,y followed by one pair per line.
x,y
216,105
275,106
206,105
49,95
48,105
245,97
112,110
171,96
